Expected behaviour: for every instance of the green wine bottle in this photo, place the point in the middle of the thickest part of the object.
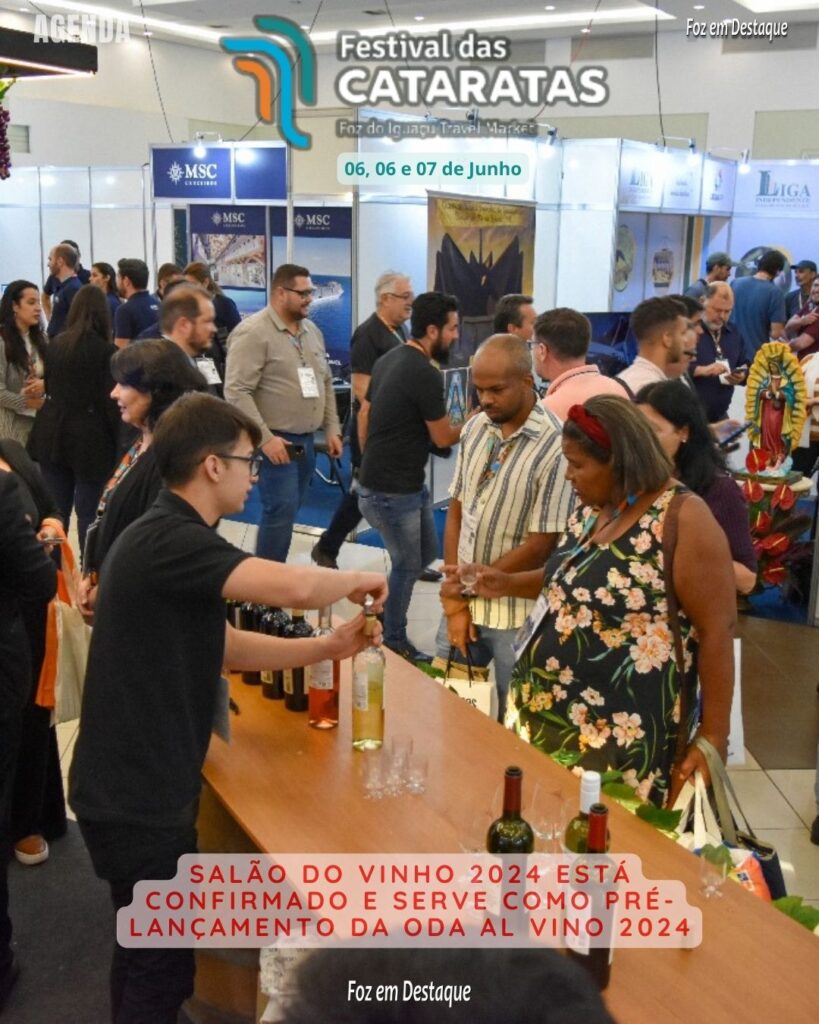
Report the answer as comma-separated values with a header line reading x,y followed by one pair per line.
x,y
511,833
595,959
577,831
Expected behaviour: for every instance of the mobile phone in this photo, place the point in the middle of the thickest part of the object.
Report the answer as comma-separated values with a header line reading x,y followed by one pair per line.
x,y
52,540
294,451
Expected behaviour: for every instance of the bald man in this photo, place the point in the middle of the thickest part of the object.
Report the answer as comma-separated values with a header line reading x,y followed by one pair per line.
x,y
509,503
721,362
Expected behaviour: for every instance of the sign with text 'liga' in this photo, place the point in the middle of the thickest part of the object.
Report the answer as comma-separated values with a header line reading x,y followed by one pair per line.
x,y
776,188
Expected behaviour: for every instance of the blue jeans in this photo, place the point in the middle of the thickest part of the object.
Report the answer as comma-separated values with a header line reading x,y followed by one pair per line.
x,y
282,490
407,528
492,645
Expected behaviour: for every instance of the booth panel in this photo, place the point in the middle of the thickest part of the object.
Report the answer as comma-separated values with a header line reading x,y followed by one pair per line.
x,y
547,235
630,261
665,256
65,186
165,244
584,258
391,236
21,189
116,186
590,173
74,224
548,173
20,253
119,234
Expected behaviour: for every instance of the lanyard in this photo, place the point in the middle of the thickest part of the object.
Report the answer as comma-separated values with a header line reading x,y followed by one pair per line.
x,y
584,544
496,454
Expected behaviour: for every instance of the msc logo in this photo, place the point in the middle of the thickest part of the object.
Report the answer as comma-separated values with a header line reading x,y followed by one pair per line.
x,y
192,172
312,220
303,63
228,219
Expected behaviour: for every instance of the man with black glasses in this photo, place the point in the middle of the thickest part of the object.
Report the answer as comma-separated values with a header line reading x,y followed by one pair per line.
x,y
152,689
277,373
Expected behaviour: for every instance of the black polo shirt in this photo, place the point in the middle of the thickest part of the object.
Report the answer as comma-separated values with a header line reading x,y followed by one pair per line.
x,y
153,669
135,315
63,297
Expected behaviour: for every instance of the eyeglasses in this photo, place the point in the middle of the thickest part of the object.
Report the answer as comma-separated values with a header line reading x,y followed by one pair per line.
x,y
303,293
254,462
404,296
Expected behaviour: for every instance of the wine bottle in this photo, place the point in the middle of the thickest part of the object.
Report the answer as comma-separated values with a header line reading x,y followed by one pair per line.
x,y
272,623
368,691
249,618
295,694
323,680
595,959
511,833
577,830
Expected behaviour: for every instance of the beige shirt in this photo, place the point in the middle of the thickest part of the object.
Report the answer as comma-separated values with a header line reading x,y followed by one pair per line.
x,y
641,372
262,376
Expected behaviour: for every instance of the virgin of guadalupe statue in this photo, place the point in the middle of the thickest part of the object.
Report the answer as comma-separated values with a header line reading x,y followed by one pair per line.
x,y
775,403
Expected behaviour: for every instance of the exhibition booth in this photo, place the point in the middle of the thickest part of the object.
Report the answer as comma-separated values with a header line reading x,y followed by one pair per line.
x,y
595,224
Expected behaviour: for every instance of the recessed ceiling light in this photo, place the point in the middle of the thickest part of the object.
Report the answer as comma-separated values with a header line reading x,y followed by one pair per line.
x,y
419,17
549,7
305,28
699,7
147,33
585,31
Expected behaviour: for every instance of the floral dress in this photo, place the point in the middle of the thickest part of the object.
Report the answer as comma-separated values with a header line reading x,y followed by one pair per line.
x,y
597,685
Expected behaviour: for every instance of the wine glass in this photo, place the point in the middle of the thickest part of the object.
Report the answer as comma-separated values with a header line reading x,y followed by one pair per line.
x,y
548,812
468,575
714,865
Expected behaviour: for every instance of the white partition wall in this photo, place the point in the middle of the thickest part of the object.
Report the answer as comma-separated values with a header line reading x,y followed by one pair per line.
x,y
587,220
105,210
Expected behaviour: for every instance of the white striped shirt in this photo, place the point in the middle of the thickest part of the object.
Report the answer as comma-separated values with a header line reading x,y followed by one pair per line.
x,y
527,493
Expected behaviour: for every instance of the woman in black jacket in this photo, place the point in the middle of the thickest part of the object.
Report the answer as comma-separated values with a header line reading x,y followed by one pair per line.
x,y
26,574
150,376
38,804
75,434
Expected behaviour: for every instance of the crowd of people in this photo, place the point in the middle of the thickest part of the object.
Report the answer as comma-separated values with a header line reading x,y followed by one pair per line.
x,y
581,510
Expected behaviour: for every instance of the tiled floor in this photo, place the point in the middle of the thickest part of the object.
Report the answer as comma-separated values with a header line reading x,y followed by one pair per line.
x,y
779,803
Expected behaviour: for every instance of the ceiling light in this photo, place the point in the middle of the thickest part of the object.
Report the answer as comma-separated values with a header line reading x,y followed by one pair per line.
x,y
745,166
21,54
549,7
585,31
419,17
244,155
199,151
778,6
699,7
147,33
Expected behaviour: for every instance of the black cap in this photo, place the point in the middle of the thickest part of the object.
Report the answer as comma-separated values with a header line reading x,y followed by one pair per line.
x,y
805,265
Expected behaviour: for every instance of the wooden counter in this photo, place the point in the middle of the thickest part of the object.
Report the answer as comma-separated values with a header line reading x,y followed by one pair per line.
x,y
293,789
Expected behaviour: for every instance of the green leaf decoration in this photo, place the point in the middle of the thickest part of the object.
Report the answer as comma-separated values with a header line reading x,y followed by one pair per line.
x,y
717,855
660,818
612,775
566,758
793,906
622,793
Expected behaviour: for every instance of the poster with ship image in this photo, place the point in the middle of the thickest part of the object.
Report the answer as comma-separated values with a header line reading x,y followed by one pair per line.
x,y
231,240
479,250
322,242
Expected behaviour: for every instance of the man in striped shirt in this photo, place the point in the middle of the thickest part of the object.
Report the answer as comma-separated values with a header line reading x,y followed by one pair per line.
x,y
509,503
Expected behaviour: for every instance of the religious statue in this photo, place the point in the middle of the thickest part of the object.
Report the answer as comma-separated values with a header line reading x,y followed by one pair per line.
x,y
775,405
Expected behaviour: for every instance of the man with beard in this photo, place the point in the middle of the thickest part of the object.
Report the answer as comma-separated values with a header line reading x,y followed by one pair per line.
x,y
661,328
277,373
403,413
510,503
718,367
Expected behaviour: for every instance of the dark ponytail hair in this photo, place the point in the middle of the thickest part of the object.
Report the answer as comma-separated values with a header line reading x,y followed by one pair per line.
x,y
699,460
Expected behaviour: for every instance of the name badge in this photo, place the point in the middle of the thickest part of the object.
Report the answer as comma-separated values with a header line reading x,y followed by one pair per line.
x,y
466,541
530,626
207,368
308,382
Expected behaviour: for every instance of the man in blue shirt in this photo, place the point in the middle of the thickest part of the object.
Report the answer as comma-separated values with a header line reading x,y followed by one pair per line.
x,y
140,308
805,273
52,284
62,266
759,304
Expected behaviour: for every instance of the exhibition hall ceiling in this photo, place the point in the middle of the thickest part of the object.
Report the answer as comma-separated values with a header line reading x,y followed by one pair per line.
x,y
202,22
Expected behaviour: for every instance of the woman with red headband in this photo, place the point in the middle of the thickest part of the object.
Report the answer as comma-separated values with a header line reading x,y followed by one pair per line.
x,y
597,682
